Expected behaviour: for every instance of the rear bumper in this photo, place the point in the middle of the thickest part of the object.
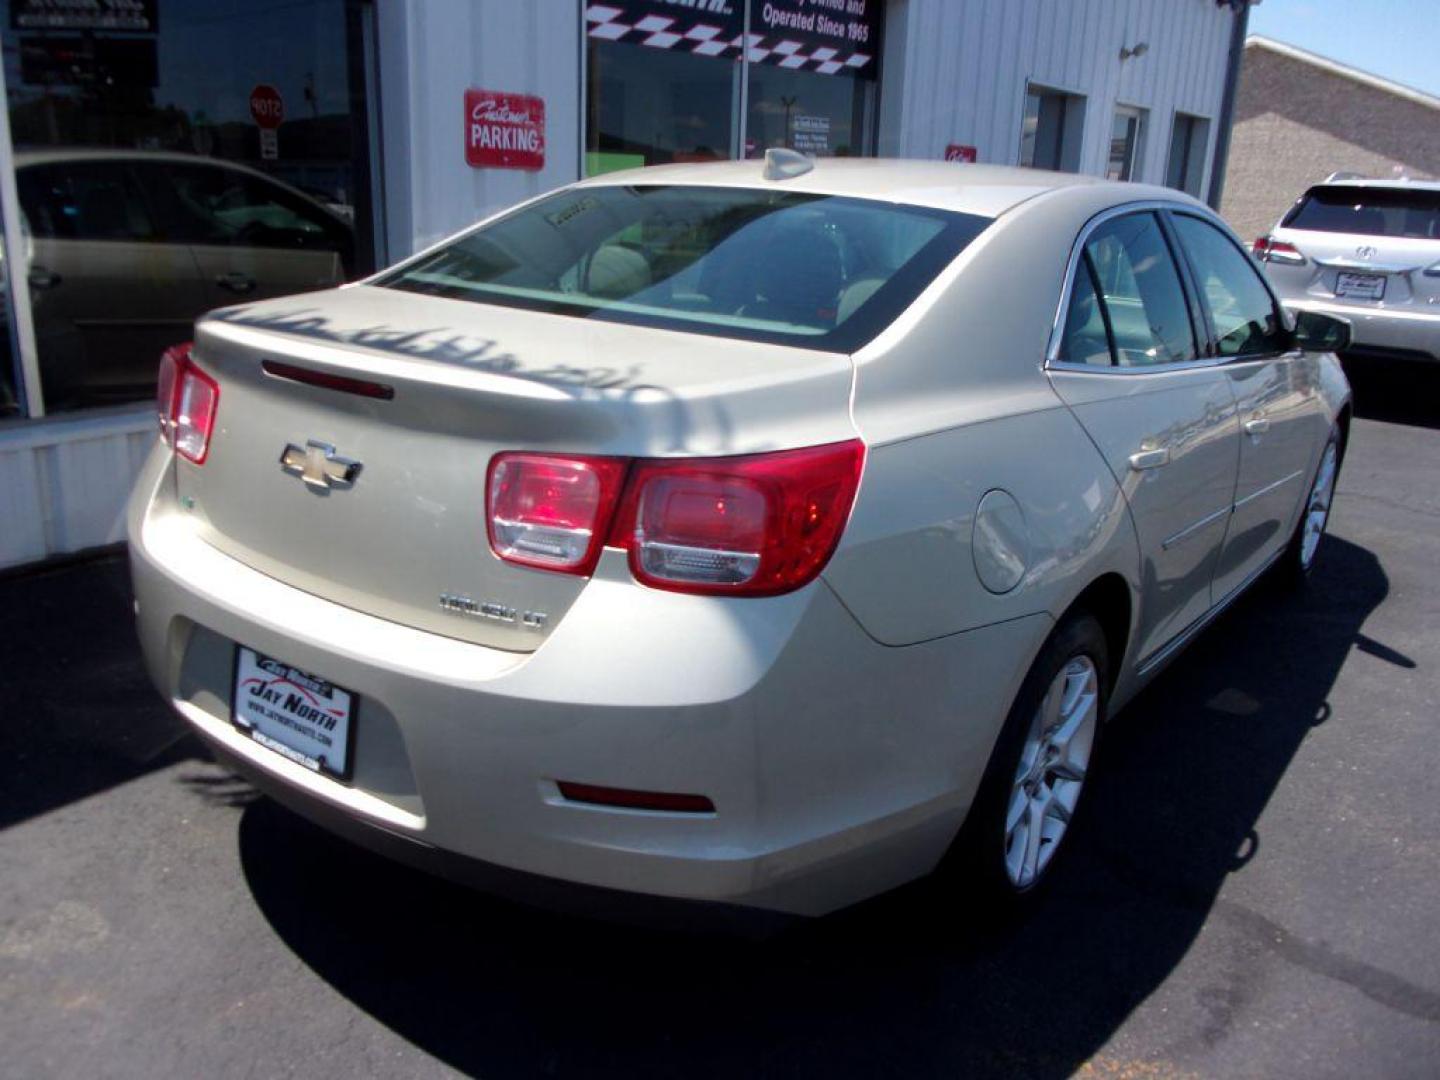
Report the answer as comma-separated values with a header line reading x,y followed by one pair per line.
x,y
1382,331
839,768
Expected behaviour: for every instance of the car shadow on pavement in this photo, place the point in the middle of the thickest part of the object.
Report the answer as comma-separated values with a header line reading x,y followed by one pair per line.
x,y
902,985
80,714
1395,391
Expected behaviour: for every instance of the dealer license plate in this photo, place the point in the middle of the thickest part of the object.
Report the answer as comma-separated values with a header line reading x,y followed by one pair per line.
x,y
292,712
1361,286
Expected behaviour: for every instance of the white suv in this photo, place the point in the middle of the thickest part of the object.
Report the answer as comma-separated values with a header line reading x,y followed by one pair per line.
x,y
1369,252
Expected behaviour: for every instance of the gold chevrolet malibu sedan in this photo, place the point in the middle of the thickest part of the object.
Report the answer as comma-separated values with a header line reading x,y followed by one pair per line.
x,y
761,533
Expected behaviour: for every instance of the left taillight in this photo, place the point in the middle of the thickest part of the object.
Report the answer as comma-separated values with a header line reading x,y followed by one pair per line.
x,y
1268,249
551,511
186,400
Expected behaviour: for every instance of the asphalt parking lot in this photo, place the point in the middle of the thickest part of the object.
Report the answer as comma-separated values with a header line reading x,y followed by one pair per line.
x,y
1254,893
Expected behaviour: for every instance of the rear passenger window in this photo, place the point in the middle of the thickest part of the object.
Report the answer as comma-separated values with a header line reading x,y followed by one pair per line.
x,y
1086,340
1241,308
1149,319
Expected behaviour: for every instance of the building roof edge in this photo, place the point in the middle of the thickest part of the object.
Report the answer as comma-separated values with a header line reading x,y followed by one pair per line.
x,y
1335,67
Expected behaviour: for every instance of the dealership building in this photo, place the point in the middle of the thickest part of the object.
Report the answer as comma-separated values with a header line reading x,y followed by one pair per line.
x,y
159,158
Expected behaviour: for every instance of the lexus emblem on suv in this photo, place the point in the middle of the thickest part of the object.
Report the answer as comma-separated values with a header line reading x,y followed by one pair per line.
x,y
318,465
1365,251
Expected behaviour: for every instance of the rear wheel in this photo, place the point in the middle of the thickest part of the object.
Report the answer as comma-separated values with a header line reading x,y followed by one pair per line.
x,y
1032,788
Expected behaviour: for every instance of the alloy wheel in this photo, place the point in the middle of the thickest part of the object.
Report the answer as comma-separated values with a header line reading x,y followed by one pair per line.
x,y
1052,770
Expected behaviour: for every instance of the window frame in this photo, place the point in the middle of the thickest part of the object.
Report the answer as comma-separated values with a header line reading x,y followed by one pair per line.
x,y
1208,357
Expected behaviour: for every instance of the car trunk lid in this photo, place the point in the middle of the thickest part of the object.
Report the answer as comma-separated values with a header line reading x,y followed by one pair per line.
x,y
406,538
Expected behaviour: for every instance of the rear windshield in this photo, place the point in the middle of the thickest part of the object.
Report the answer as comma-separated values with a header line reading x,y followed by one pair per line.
x,y
1368,211
820,271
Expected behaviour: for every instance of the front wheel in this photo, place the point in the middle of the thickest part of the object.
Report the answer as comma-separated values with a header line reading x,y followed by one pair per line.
x,y
1304,549
1031,791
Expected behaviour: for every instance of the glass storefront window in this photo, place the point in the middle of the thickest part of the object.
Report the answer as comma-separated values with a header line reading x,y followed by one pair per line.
x,y
670,82
650,107
174,156
821,115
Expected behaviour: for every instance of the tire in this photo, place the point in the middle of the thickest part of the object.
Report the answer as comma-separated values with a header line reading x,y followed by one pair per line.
x,y
1297,564
1027,802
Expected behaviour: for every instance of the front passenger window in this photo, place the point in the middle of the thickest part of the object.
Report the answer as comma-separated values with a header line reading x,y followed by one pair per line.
x,y
1140,287
1241,308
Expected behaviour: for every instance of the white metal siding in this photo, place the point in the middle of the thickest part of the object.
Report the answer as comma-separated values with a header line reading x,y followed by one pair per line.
x,y
64,483
956,72
430,52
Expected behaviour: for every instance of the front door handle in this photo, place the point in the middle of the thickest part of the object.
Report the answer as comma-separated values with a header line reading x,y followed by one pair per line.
x,y
236,282
1257,425
1150,459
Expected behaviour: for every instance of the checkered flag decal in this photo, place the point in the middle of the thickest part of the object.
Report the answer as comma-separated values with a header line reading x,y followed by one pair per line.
x,y
662,32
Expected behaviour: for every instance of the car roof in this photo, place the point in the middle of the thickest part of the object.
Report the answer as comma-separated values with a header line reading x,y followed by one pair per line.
x,y
987,190
59,156
1402,183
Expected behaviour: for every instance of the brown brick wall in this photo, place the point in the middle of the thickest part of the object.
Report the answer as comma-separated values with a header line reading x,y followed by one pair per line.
x,y
1295,124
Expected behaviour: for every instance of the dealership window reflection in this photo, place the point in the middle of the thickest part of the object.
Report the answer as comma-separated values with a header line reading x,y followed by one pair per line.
x,y
652,106
821,115
124,254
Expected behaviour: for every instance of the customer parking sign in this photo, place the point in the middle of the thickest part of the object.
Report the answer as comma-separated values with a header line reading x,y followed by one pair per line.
x,y
504,131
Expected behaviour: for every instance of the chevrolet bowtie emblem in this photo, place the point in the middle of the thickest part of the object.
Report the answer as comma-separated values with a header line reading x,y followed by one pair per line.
x,y
317,464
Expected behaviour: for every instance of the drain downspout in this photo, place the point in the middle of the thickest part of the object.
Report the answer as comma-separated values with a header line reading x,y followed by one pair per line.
x,y
1238,29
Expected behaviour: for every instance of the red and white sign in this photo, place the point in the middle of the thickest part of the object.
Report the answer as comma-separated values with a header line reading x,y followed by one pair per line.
x,y
504,131
267,107
957,152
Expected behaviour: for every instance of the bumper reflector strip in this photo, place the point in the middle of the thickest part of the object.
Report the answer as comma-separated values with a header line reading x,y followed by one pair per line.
x,y
635,800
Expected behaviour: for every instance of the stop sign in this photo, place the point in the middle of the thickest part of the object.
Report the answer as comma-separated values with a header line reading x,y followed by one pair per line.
x,y
267,106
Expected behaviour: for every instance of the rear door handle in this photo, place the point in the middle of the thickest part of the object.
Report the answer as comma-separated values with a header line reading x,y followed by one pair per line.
x,y
42,278
1150,459
1257,425
236,282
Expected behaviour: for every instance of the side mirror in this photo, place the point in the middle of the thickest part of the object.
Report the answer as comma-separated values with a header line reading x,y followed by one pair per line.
x,y
1317,332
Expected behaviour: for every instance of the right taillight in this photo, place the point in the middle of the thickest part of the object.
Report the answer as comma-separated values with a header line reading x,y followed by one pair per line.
x,y
185,402
742,526
1268,249
755,525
